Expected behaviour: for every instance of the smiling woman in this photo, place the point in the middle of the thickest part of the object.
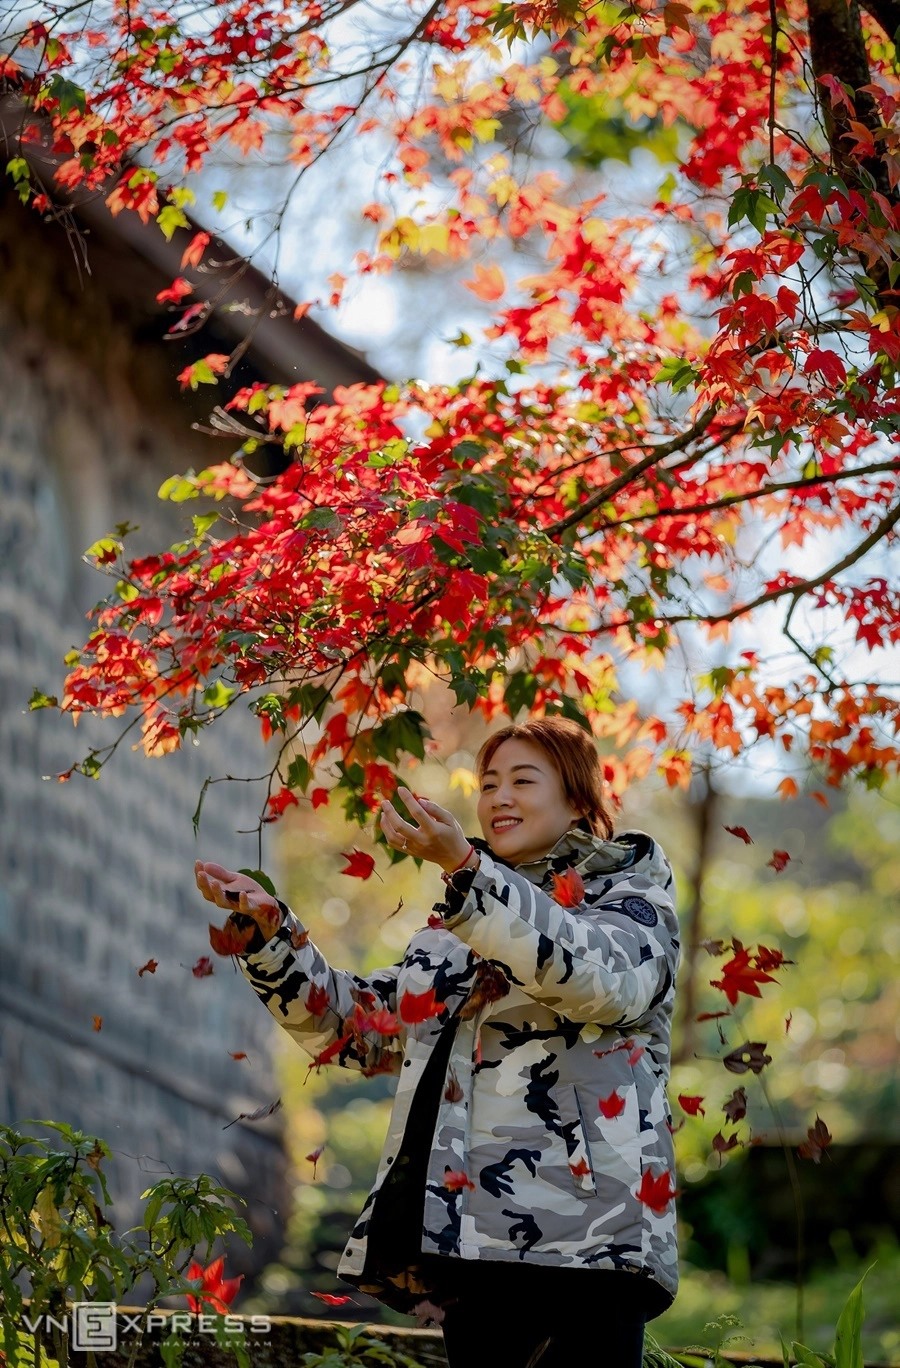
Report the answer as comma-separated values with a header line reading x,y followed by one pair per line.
x,y
529,1162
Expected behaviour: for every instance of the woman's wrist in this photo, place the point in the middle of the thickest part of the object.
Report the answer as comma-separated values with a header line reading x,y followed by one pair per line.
x,y
453,866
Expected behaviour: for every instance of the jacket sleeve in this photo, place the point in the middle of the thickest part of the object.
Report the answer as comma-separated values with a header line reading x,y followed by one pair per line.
x,y
610,961
321,1007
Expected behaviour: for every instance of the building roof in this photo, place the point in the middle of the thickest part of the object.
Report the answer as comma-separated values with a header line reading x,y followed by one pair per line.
x,y
249,307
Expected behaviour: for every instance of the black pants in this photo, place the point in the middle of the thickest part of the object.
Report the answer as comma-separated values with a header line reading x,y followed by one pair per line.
x,y
524,1316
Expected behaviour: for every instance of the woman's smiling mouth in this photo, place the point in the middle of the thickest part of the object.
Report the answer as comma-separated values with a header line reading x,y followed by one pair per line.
x,y
505,823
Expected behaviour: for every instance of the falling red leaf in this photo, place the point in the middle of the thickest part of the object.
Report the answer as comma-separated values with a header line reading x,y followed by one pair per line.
x,y
314,1158
581,1169
383,1022
98,1022
818,1139
317,1000
174,293
203,968
740,832
319,798
238,1054
692,1105
735,1108
635,1055
330,1299
416,1007
215,1290
750,1056
778,861
656,1192
769,959
711,1016
453,1092
455,1181
193,252
568,888
738,976
611,1106
435,921
489,985
359,865
787,1022
721,1145
149,968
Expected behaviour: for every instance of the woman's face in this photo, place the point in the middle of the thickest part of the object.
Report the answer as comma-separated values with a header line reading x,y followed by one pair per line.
x,y
522,808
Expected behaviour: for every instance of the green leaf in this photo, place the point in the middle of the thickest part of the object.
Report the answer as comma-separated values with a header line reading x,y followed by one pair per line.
x,y
178,488
324,519
262,879
777,179
220,199
216,695
42,700
202,523
805,1356
169,218
127,592
848,1335
103,545
69,95
299,773
19,169
677,372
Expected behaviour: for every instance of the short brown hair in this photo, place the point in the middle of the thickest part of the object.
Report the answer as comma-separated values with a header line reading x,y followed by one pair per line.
x,y
574,754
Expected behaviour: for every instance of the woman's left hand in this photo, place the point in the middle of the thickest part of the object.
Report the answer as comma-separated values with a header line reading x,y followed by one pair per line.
x,y
438,837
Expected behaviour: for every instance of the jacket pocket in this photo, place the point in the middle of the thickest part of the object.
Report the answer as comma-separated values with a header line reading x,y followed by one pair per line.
x,y
576,1138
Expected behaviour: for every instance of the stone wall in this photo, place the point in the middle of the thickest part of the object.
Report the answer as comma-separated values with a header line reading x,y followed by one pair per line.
x,y
97,877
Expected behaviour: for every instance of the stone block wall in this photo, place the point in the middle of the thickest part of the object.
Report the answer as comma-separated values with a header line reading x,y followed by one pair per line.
x,y
97,877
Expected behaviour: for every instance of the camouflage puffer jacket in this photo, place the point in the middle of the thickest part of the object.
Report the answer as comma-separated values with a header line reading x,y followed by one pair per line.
x,y
555,1101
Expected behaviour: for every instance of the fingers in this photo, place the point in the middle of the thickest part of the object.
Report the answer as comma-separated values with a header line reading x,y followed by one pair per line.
x,y
217,871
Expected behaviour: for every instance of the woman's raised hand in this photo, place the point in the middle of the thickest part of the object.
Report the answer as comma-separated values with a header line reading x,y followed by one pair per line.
x,y
438,836
238,893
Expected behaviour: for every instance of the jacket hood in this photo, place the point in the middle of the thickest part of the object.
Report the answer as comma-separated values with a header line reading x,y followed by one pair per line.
x,y
578,848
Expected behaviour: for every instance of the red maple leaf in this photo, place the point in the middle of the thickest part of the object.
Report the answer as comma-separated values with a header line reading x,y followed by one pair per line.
x,y
219,1292
568,888
581,1169
692,1105
317,1000
359,865
735,1108
656,1192
454,1181
611,1106
711,1016
330,1299
778,861
382,1022
315,1157
721,1145
416,1007
739,976
769,959
203,968
149,968
741,832
238,1054
193,252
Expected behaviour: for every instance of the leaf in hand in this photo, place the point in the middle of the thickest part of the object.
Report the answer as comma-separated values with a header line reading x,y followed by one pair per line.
x,y
229,939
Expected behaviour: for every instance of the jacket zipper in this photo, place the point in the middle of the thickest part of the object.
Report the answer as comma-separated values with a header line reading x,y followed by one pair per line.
x,y
584,1136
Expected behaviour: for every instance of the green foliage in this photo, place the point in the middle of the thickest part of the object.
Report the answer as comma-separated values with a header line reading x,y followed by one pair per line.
x,y
354,1345
56,1239
599,129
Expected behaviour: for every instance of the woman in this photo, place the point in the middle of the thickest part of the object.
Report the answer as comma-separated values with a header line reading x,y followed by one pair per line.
x,y
524,1194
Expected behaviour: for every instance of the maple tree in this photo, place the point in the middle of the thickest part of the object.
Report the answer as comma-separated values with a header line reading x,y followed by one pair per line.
x,y
727,354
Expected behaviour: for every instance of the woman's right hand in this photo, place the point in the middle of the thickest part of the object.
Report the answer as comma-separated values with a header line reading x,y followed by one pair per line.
x,y
238,893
